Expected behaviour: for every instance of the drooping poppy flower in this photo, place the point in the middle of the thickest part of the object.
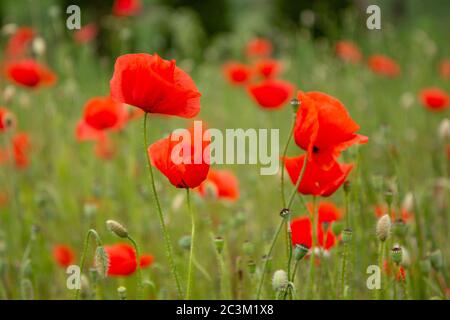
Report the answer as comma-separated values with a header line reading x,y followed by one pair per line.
x,y
302,234
7,120
29,73
155,85
348,51
86,34
316,181
126,8
105,148
258,47
267,68
381,210
18,43
444,69
103,113
237,73
434,99
21,149
327,212
271,94
188,165
384,65
63,255
324,128
224,184
122,259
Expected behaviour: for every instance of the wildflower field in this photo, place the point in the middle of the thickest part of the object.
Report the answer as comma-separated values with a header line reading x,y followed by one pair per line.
x,y
153,152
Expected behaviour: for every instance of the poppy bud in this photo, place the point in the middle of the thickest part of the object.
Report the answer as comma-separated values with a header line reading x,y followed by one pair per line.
x,y
406,259
396,254
383,227
101,261
347,235
185,242
118,229
219,243
248,248
122,292
337,227
295,103
300,251
39,46
399,228
436,259
408,202
279,280
251,266
425,265
444,129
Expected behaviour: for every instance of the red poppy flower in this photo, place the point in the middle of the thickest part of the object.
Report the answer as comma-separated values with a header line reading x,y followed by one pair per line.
x,y
381,210
324,128
29,73
122,259
85,132
302,234
327,212
237,73
267,68
21,148
316,181
7,120
224,183
271,94
259,47
103,113
401,273
348,51
434,99
63,255
19,41
86,34
126,8
191,167
154,85
105,148
384,66
444,69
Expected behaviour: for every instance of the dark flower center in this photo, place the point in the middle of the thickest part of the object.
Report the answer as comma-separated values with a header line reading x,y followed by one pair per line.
x,y
315,149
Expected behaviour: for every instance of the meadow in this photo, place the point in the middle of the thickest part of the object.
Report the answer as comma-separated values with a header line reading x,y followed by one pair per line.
x,y
61,182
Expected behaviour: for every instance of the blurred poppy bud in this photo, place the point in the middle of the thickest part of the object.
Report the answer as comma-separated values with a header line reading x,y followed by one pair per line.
x,y
101,261
347,235
248,248
185,242
444,129
383,227
436,259
408,202
219,243
122,292
117,228
396,254
300,251
337,227
279,280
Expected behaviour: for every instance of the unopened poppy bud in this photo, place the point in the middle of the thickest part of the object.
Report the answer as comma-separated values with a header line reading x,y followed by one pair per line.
x,y
101,261
337,227
39,46
219,243
251,266
396,254
118,229
425,265
408,202
347,235
248,248
444,129
436,259
284,213
122,292
295,104
406,259
185,242
399,228
383,227
300,251
279,280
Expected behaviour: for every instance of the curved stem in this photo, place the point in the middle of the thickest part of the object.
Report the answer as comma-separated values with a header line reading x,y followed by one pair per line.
x,y
83,255
192,250
286,146
138,267
168,245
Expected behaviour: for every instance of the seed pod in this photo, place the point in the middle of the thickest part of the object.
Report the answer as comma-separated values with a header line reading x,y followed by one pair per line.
x,y
185,242
300,251
347,235
122,292
251,266
101,261
279,280
396,254
383,227
116,228
219,243
295,104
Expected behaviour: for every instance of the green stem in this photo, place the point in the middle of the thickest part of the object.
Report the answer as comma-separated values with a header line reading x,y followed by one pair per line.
x,y
343,270
83,255
286,146
168,245
313,242
380,265
138,266
192,249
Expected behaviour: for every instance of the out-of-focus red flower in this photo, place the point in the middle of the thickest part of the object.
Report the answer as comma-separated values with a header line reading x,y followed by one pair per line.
x,y
4,156
86,34
434,99
7,120
18,42
223,182
135,113
302,234
155,85
122,259
348,51
21,149
258,47
327,212
384,65
191,166
103,113
444,68
271,94
382,209
29,73
85,132
400,275
316,181
126,8
63,255
324,128
237,73
267,68
105,148
4,198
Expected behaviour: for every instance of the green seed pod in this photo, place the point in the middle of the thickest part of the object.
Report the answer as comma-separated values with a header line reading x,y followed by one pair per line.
x,y
300,251
251,266
101,261
279,280
122,292
436,259
219,243
337,227
347,235
185,242
397,254
117,228
248,248
295,104
425,265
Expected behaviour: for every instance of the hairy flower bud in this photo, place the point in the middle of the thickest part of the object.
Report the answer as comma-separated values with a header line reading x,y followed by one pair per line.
x,y
280,280
116,228
383,227
101,261
122,292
